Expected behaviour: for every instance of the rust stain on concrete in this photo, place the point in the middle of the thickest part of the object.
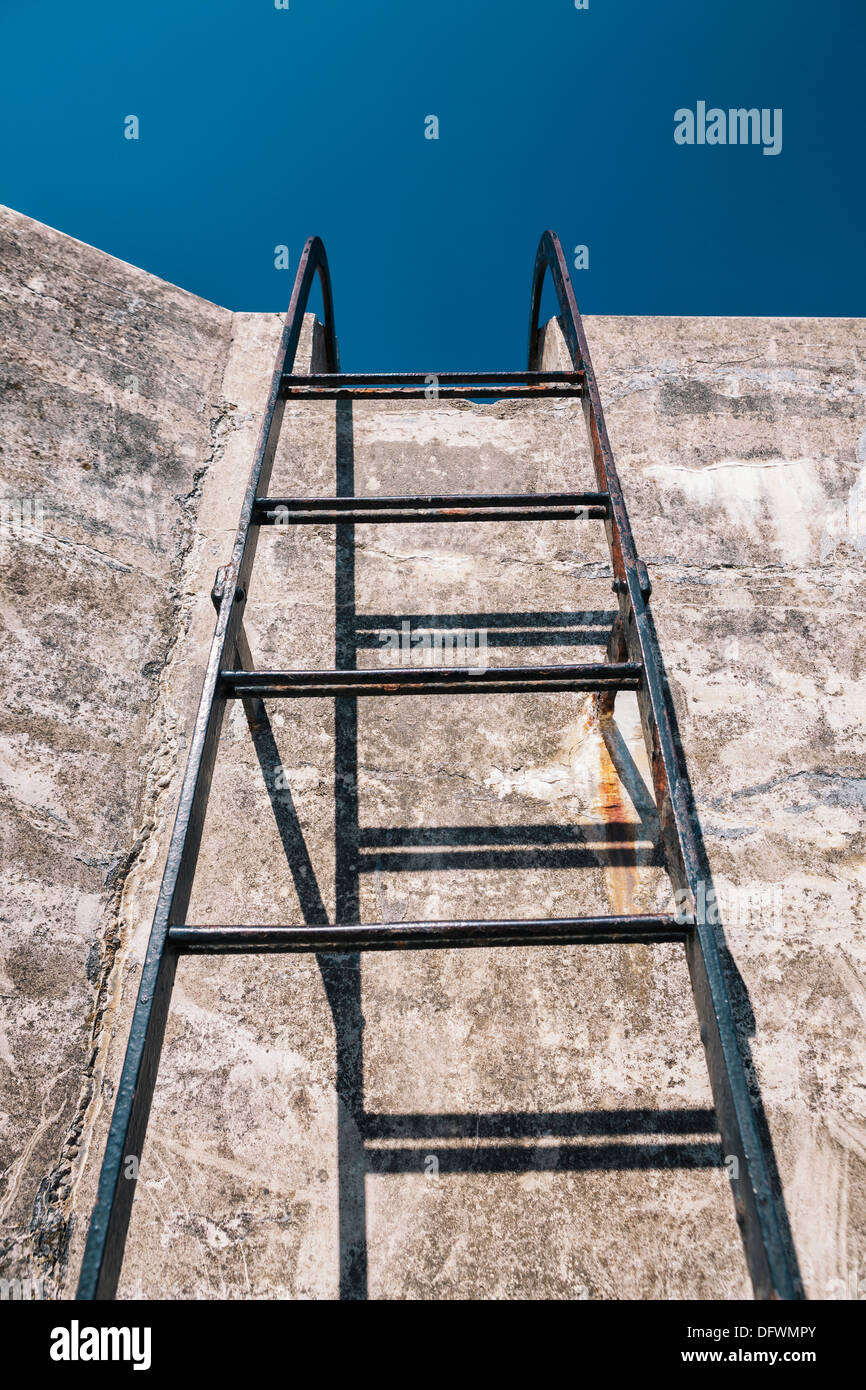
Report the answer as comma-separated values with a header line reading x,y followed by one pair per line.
x,y
620,873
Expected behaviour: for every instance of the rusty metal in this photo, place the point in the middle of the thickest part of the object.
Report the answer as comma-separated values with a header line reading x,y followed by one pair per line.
x,y
552,506
770,1259
360,516
420,393
428,378
446,386
633,662
627,928
432,680
106,1236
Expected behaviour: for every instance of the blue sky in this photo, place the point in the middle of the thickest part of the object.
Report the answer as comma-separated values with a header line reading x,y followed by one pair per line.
x,y
259,126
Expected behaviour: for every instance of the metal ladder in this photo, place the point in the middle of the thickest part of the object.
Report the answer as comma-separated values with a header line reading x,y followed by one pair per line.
x,y
633,662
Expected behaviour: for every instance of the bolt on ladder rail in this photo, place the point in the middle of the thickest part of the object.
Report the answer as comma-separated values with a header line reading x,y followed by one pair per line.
x,y
633,662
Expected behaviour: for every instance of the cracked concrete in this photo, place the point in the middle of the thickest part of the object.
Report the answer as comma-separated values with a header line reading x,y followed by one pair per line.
x,y
111,390
442,1124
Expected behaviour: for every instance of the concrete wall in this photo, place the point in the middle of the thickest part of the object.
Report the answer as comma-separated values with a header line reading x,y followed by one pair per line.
x,y
561,1093
110,415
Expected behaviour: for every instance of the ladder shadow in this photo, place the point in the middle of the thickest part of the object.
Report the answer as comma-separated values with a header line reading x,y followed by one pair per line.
x,y
422,1143
513,1142
340,972
536,628
400,1143
615,844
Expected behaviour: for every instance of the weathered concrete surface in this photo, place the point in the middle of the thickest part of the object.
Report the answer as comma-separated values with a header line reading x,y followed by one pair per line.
x,y
531,1123
577,1072
741,445
109,416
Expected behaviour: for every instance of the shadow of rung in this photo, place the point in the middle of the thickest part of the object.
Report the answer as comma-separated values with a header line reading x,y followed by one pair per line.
x,y
530,836
498,622
504,1158
533,1124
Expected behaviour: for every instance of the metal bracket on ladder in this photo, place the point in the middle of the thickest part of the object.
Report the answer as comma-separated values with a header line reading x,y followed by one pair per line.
x,y
633,662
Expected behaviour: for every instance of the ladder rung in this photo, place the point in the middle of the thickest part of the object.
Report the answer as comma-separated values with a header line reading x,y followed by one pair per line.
x,y
427,379
432,385
495,506
442,393
432,680
396,936
413,378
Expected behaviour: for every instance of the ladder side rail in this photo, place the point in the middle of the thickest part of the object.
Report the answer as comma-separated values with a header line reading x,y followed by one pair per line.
x,y
106,1239
767,1255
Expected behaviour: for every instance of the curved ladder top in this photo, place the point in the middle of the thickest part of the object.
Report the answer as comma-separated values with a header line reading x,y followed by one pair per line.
x,y
550,257
313,261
